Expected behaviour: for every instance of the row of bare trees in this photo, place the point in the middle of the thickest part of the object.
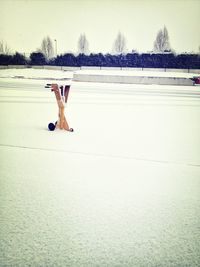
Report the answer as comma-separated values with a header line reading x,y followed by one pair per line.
x,y
47,48
161,45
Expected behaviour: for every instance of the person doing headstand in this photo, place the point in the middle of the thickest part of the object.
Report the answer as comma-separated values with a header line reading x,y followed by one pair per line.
x,y
61,94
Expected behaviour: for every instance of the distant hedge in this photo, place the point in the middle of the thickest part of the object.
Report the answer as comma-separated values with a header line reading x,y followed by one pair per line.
x,y
145,60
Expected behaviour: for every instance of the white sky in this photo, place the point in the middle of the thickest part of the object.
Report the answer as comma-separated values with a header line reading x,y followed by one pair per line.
x,y
24,23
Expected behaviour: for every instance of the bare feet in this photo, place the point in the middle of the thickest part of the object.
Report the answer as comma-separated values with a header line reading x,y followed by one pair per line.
x,y
70,130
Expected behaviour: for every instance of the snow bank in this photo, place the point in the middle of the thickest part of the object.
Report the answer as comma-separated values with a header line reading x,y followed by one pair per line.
x,y
136,77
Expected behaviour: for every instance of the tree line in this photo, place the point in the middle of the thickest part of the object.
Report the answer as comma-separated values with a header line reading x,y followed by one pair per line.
x,y
131,60
162,55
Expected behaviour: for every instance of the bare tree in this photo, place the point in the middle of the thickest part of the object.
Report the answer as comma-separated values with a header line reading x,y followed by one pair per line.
x,y
83,45
161,43
4,49
47,47
119,44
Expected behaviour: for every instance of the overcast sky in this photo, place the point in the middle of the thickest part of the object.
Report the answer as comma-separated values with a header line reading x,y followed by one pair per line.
x,y
24,23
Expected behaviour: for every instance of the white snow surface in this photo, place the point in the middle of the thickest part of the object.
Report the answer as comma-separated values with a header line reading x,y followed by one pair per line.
x,y
31,73
122,190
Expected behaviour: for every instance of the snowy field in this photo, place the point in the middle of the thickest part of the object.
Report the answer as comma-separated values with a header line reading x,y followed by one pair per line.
x,y
122,190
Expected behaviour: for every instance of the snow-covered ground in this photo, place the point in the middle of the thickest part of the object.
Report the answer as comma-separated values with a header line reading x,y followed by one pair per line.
x,y
122,190
30,73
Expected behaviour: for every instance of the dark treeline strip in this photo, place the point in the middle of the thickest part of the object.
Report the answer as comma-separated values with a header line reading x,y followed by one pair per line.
x,y
131,60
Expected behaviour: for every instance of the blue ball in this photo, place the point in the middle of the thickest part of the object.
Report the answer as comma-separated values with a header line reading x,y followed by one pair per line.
x,y
51,126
